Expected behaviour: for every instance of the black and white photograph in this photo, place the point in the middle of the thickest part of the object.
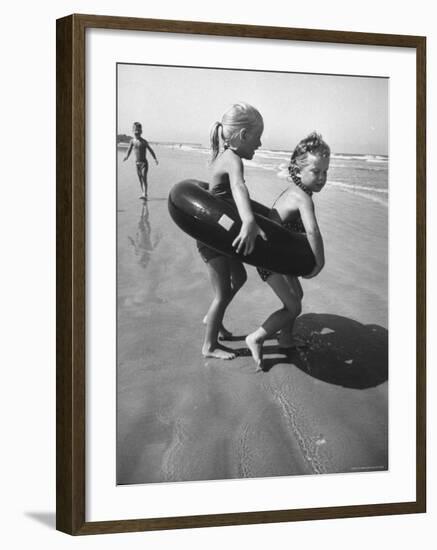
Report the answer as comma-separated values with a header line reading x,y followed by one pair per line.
x,y
252,274
217,274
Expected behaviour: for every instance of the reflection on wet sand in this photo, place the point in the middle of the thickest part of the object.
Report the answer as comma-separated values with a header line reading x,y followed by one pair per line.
x,y
142,242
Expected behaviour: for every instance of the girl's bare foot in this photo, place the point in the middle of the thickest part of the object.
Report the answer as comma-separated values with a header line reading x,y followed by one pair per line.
x,y
218,352
255,348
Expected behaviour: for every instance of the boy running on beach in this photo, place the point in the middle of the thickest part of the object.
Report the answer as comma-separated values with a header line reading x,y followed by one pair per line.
x,y
140,146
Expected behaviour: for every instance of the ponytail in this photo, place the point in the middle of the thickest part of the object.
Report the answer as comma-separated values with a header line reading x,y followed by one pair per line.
x,y
214,138
239,116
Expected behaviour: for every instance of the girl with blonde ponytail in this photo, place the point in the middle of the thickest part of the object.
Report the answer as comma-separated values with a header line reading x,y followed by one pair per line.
x,y
235,138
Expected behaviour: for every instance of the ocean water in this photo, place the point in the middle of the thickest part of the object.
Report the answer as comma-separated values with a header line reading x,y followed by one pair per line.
x,y
362,175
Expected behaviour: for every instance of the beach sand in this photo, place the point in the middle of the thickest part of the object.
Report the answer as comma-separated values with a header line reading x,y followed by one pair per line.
x,y
181,417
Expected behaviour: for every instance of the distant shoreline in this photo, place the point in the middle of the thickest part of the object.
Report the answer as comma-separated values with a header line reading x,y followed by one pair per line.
x,y
166,143
182,145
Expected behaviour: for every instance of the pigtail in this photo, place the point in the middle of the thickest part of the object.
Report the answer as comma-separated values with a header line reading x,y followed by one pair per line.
x,y
214,138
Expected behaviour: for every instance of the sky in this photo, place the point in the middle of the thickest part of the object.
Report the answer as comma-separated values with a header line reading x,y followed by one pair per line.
x,y
179,104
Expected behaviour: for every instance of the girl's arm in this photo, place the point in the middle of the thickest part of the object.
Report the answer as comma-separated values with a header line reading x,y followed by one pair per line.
x,y
152,152
245,240
307,213
128,152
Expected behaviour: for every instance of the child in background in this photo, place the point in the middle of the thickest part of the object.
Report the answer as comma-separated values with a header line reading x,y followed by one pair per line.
x,y
294,209
140,146
240,133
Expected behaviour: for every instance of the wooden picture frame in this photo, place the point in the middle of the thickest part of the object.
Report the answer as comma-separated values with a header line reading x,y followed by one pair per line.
x,y
71,254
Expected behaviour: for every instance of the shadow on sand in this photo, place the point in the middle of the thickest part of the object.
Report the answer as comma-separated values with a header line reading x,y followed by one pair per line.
x,y
340,351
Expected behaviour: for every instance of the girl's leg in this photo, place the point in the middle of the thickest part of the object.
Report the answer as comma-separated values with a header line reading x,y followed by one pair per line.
x,y
238,277
285,337
291,298
220,276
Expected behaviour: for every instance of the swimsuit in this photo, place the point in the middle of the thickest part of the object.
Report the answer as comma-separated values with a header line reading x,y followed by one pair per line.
x,y
141,166
221,190
295,225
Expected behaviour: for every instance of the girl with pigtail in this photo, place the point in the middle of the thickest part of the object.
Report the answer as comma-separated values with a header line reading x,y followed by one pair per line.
x,y
294,209
235,138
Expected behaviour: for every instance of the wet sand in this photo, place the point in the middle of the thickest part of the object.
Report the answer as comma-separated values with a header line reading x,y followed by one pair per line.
x,y
182,417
